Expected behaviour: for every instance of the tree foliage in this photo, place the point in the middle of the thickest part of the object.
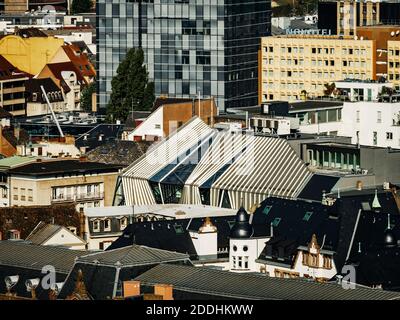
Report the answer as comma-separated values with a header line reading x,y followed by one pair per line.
x,y
131,89
86,97
81,6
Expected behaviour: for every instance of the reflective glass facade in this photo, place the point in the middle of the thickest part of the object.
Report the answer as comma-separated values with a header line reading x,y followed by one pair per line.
x,y
191,46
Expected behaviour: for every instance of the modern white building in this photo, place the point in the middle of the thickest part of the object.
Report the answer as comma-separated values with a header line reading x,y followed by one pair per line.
x,y
369,114
371,123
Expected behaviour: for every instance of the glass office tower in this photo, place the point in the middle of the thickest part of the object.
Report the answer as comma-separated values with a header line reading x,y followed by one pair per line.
x,y
191,46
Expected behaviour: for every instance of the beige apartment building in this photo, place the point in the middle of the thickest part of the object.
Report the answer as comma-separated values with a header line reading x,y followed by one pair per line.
x,y
88,184
295,67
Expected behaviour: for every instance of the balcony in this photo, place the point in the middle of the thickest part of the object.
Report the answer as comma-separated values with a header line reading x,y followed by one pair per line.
x,y
77,197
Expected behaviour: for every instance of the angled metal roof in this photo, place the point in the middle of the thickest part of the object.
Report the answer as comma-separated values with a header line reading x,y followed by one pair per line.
x,y
42,232
31,256
227,284
243,168
133,255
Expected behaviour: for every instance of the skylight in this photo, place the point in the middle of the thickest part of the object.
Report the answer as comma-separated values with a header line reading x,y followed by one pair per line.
x,y
276,221
178,229
267,209
307,216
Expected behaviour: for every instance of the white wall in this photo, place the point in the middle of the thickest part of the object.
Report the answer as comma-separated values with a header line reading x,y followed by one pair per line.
x,y
66,238
368,123
152,126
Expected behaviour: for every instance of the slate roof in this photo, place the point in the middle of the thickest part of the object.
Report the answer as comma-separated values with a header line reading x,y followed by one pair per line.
x,y
104,272
318,184
224,284
119,152
109,132
53,92
31,256
52,167
42,232
172,235
133,255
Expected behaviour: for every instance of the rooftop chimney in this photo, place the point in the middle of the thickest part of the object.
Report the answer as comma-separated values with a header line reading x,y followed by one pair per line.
x,y
131,288
164,290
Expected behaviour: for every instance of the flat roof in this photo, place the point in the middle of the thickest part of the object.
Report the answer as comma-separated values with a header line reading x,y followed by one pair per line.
x,y
15,161
313,104
168,210
44,168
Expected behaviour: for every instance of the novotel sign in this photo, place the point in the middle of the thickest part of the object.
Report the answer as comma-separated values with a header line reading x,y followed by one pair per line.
x,y
321,32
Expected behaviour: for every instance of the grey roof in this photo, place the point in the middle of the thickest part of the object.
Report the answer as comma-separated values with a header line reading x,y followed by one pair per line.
x,y
31,256
42,232
133,255
219,283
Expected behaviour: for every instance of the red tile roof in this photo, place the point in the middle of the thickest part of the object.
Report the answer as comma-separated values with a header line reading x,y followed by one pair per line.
x,y
8,71
80,60
57,68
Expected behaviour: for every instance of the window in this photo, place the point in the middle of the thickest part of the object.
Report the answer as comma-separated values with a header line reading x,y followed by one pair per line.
x,y
327,263
96,226
123,223
245,248
389,135
375,138
178,229
157,126
307,216
357,116
245,262
234,248
379,116
267,209
240,260
234,262
275,222
107,225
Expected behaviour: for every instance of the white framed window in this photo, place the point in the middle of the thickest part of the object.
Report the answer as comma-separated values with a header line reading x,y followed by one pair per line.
x,y
389,135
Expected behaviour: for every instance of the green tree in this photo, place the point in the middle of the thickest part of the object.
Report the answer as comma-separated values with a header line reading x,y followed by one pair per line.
x,y
86,97
81,6
131,89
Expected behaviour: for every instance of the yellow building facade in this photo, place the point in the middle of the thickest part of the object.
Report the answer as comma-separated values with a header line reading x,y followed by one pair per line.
x,y
291,67
29,54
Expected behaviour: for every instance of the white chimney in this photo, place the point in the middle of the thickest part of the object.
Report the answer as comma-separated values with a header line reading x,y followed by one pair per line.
x,y
205,240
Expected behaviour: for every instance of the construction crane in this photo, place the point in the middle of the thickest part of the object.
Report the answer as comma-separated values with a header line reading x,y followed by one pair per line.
x,y
52,112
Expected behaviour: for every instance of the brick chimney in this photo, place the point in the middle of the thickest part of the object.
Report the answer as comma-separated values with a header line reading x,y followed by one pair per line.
x,y
164,290
131,288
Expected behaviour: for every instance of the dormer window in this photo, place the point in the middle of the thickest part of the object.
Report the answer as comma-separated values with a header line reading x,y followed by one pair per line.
x,y
123,223
107,225
96,226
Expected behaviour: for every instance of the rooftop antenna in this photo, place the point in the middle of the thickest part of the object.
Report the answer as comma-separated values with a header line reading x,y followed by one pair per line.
x,y
52,112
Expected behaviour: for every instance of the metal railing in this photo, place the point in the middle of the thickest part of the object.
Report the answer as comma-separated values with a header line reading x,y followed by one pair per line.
x,y
77,197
